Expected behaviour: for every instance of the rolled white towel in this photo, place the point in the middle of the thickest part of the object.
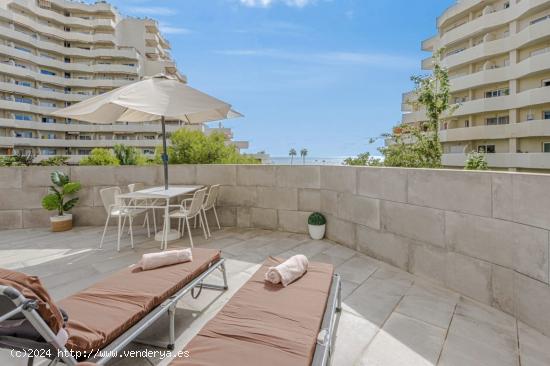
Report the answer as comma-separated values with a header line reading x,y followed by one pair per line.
x,y
288,271
155,260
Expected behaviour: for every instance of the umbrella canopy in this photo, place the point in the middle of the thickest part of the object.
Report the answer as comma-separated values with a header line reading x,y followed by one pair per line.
x,y
160,97
149,100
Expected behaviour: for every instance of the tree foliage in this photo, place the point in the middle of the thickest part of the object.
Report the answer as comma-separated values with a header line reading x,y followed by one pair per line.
x,y
363,159
55,161
60,188
19,159
476,161
128,155
419,146
194,147
303,154
100,156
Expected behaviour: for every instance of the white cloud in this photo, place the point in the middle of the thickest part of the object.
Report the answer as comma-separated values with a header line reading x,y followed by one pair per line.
x,y
267,3
152,10
329,57
166,29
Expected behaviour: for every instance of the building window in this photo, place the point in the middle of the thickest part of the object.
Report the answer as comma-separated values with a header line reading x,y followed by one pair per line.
x,y
498,121
545,83
546,147
538,20
23,117
486,149
467,123
24,134
47,72
149,152
23,83
48,120
23,100
48,152
22,49
85,137
84,151
497,93
546,115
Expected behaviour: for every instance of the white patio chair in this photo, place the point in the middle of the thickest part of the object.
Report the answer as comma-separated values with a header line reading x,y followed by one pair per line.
x,y
190,208
210,204
116,208
133,187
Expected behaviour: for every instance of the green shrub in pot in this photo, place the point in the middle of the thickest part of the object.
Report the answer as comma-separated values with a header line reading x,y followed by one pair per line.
x,y
316,225
55,200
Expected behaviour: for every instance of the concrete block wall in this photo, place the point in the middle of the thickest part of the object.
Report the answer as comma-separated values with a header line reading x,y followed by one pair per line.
x,y
483,234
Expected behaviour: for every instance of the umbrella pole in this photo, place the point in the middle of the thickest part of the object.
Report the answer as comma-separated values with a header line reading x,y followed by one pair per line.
x,y
164,153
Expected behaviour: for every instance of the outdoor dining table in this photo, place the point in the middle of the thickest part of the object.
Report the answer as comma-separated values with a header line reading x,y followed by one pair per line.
x,y
156,194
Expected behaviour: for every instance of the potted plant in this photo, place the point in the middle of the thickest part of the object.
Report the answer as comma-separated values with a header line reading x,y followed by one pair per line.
x,y
55,201
316,225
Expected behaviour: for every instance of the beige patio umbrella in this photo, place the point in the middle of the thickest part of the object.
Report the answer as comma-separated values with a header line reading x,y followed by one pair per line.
x,y
156,98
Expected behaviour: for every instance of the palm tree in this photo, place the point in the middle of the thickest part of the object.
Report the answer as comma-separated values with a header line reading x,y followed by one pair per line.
x,y
303,154
292,153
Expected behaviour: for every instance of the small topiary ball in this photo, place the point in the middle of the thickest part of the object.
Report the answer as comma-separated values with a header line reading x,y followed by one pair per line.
x,y
316,219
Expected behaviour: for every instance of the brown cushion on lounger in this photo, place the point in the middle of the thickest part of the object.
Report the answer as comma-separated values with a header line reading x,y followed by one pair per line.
x,y
32,288
104,311
265,324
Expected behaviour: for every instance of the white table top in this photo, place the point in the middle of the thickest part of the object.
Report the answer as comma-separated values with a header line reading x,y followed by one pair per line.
x,y
160,192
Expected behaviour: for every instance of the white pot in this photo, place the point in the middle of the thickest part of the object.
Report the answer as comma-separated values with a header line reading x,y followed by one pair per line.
x,y
61,223
317,232
64,217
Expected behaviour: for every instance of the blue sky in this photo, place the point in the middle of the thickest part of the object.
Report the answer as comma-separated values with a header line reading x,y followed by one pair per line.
x,y
326,75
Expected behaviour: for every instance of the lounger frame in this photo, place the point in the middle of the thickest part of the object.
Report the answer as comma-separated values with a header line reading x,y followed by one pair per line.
x,y
27,307
327,335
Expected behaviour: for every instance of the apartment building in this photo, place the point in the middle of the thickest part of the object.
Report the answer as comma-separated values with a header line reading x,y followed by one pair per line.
x,y
54,53
498,57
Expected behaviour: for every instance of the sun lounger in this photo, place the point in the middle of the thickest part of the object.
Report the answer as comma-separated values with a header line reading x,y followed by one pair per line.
x,y
269,325
106,316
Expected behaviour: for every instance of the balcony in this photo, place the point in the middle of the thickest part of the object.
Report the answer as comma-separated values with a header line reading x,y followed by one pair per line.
x,y
531,34
430,44
530,66
519,100
126,53
78,127
30,6
57,64
55,32
513,130
456,9
41,93
98,6
504,160
36,142
419,295
490,21
62,81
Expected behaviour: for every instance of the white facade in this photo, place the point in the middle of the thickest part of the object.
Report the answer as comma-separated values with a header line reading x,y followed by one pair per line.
x,y
498,57
57,52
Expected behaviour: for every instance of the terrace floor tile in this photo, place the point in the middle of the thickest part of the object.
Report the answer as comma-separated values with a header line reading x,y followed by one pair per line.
x,y
389,317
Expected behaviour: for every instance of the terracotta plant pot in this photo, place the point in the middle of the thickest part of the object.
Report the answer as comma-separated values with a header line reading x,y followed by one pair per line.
x,y
61,223
317,232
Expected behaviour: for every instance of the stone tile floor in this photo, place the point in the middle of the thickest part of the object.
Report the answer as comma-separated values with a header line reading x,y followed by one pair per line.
x,y
390,317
